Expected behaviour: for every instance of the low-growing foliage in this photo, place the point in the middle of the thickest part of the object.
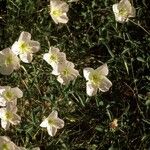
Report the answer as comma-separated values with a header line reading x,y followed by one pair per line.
x,y
117,119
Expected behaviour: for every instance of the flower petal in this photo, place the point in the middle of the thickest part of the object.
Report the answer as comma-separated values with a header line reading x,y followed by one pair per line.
x,y
17,92
105,84
53,50
15,48
35,46
59,123
6,70
15,120
4,139
24,36
5,124
132,12
63,80
91,89
2,112
11,107
103,70
36,148
115,8
63,18
44,124
27,57
2,101
51,130
59,5
86,72
53,114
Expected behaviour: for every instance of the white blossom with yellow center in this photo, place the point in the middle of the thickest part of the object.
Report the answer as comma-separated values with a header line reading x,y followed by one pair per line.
x,y
8,116
123,11
54,57
52,123
96,79
7,144
58,11
9,95
65,72
8,62
25,47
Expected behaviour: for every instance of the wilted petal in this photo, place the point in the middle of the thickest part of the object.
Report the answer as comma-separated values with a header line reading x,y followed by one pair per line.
x,y
24,36
27,57
86,72
51,130
91,89
105,84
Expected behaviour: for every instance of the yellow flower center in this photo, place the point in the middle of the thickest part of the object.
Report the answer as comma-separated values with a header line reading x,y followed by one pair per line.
x,y
24,47
123,11
8,95
8,115
56,12
51,121
9,60
54,58
5,147
95,78
66,72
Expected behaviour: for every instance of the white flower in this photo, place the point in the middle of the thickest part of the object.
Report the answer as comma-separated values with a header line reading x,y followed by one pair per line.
x,y
7,144
123,10
52,123
8,62
58,10
9,95
70,1
97,80
8,115
65,72
36,148
25,47
54,57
